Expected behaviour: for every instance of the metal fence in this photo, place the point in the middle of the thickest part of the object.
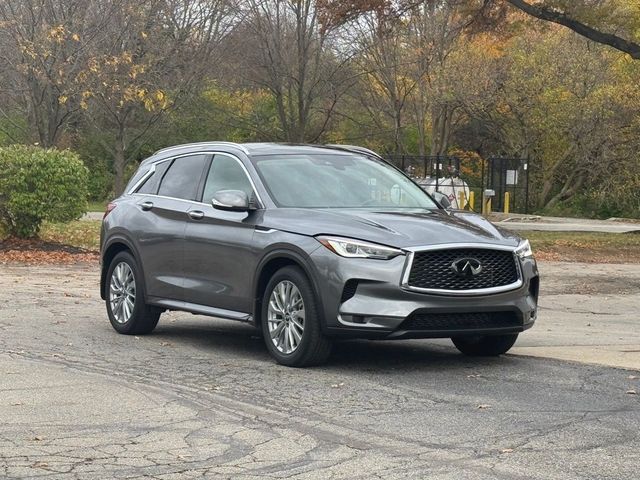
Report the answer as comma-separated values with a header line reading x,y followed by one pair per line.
x,y
500,174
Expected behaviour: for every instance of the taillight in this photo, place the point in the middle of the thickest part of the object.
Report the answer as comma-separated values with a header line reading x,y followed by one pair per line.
x,y
110,207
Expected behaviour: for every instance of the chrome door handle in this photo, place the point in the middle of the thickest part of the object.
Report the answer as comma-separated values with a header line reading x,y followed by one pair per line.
x,y
146,206
196,214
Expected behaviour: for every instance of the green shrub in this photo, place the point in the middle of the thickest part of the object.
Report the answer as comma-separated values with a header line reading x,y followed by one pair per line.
x,y
37,185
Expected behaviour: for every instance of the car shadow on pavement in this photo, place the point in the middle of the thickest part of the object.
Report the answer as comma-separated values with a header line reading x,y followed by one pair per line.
x,y
242,341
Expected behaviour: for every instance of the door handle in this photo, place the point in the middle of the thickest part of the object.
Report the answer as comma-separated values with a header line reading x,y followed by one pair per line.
x,y
146,206
196,214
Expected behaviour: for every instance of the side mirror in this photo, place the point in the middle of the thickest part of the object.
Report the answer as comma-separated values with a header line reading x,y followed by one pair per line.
x,y
443,200
231,201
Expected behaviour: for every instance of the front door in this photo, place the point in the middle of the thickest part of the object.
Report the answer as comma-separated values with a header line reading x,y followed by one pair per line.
x,y
219,259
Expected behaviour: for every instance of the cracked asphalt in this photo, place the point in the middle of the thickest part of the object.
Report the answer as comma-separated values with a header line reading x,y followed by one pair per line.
x,y
201,398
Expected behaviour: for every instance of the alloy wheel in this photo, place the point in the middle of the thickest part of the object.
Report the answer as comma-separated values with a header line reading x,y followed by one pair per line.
x,y
122,292
285,317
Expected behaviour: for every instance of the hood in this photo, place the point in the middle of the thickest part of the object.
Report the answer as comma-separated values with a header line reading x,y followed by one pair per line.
x,y
397,228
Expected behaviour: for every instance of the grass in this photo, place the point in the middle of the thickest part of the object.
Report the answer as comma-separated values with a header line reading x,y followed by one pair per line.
x,y
80,233
96,206
586,246
547,240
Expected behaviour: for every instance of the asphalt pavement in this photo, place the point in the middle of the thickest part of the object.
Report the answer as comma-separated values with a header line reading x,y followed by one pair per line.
x,y
201,398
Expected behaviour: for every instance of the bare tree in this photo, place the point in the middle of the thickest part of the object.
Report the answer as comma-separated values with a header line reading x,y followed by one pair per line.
x,y
294,61
384,63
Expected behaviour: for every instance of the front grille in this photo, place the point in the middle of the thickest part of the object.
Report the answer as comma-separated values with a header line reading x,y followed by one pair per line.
x,y
460,321
433,269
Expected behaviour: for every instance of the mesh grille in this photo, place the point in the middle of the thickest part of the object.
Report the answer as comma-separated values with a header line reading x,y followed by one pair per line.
x,y
433,269
460,321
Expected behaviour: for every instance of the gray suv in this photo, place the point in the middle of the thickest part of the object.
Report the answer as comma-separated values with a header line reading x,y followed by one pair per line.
x,y
309,243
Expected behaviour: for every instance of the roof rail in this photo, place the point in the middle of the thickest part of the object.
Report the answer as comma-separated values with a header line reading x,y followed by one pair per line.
x,y
197,144
355,149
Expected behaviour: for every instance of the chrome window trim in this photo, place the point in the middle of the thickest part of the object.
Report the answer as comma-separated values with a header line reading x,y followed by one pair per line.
x,y
411,251
152,169
169,198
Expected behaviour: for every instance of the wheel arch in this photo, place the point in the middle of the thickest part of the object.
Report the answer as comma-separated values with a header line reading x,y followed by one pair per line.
x,y
113,247
269,265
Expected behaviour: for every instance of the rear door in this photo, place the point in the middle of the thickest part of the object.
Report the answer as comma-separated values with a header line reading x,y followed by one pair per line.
x,y
164,201
219,256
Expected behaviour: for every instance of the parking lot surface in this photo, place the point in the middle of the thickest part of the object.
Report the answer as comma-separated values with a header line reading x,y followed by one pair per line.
x,y
200,398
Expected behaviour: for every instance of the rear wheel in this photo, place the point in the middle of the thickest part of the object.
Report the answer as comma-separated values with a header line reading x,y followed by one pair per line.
x,y
127,311
291,322
486,345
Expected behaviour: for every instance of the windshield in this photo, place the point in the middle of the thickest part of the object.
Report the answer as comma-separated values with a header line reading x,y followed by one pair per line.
x,y
337,181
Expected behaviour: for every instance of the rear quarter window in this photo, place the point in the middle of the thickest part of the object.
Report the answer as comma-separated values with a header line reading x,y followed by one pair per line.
x,y
151,184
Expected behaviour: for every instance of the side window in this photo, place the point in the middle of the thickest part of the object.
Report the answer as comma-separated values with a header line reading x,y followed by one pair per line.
x,y
150,186
226,173
182,178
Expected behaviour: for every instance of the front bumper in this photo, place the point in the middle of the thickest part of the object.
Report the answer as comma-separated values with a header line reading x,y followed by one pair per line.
x,y
363,298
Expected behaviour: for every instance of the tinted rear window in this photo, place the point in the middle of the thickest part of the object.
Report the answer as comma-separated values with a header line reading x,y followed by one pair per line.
x,y
183,177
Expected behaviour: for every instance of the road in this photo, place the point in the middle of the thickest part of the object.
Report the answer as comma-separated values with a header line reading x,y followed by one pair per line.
x,y
520,222
200,398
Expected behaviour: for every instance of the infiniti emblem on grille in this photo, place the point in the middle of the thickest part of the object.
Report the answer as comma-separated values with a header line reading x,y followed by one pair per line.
x,y
466,267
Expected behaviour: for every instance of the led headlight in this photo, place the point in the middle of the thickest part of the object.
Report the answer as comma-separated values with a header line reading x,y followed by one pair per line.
x,y
524,249
346,247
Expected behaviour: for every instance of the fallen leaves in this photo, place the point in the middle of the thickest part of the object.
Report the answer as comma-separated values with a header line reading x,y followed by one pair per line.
x,y
39,252
483,406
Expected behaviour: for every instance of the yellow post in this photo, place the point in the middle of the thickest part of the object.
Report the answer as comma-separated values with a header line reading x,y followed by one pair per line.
x,y
461,200
472,198
486,206
507,198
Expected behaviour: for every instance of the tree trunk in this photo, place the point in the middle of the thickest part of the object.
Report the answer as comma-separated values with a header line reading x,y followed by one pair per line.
x,y
397,130
119,162
570,188
440,130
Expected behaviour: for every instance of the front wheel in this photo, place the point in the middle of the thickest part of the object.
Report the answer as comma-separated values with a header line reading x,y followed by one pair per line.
x,y
291,322
126,308
485,346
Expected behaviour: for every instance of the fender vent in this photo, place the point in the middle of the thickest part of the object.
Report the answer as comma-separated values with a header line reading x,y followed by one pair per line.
x,y
349,290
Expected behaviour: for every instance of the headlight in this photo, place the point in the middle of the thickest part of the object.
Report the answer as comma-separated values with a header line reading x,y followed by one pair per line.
x,y
524,249
346,247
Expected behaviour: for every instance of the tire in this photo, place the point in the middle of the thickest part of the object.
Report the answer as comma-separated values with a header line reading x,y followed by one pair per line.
x,y
311,346
131,316
485,346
